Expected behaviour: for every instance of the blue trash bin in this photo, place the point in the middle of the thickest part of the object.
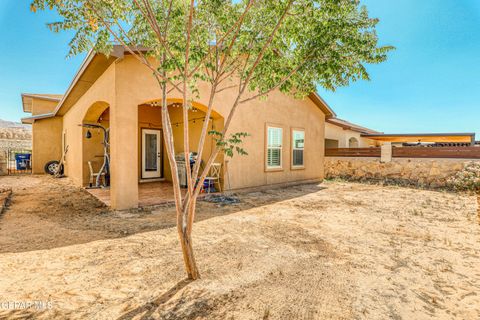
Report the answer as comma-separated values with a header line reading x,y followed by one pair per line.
x,y
23,160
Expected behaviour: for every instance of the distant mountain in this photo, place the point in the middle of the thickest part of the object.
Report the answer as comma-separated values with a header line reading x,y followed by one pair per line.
x,y
11,124
14,135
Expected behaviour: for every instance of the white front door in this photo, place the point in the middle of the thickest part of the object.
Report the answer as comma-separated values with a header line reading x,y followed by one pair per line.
x,y
151,153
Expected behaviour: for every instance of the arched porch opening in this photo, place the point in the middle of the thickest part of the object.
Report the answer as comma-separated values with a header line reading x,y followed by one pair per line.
x,y
93,147
153,165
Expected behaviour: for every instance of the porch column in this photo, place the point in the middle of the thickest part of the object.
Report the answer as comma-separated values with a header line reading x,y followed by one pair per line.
x,y
386,152
124,154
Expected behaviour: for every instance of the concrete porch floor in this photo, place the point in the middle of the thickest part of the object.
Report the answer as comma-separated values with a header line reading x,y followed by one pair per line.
x,y
149,194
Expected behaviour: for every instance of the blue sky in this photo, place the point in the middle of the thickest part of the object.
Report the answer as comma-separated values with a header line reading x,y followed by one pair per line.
x,y
431,82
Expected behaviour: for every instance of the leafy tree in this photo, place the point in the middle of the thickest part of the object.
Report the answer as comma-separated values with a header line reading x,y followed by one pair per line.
x,y
251,47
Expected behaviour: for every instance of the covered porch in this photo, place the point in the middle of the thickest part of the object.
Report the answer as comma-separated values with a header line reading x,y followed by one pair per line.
x,y
143,178
149,194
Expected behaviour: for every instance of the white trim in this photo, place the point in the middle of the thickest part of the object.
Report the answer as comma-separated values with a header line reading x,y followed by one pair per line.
x,y
152,174
293,148
275,148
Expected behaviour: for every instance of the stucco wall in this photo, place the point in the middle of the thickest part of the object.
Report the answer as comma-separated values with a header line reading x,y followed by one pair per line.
x,y
288,113
46,142
431,173
135,86
343,136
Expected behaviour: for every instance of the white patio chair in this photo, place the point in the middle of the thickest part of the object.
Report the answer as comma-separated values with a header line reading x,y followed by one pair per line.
x,y
214,177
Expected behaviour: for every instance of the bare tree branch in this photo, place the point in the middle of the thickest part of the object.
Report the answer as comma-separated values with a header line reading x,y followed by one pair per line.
x,y
186,103
219,43
135,53
214,154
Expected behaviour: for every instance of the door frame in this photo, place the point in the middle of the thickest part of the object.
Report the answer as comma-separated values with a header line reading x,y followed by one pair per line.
x,y
142,156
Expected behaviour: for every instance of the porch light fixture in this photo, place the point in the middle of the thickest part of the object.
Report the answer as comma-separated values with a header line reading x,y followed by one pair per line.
x,y
88,135
175,105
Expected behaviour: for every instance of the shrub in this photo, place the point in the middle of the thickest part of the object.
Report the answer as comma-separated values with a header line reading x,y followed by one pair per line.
x,y
466,180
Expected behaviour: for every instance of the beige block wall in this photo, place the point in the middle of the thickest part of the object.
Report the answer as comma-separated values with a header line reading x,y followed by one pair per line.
x,y
46,142
343,136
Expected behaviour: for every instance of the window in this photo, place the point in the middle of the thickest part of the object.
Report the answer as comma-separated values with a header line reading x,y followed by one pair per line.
x,y
274,147
298,144
331,144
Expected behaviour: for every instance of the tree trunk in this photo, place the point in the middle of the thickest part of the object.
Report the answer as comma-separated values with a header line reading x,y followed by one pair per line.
x,y
184,228
188,256
183,212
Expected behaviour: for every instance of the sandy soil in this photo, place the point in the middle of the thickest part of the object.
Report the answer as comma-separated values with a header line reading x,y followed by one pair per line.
x,y
334,251
47,213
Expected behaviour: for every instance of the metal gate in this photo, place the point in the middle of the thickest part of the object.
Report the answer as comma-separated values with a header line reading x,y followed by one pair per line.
x,y
19,161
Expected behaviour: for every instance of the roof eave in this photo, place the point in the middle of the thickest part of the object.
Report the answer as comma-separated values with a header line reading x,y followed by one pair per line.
x,y
83,66
361,130
118,52
31,120
35,96
323,105
39,96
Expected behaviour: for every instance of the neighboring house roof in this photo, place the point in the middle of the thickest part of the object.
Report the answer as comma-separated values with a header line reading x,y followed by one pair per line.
x,y
422,137
28,97
30,120
350,126
93,67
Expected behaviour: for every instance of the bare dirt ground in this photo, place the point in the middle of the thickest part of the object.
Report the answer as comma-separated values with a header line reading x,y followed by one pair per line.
x,y
334,251
47,213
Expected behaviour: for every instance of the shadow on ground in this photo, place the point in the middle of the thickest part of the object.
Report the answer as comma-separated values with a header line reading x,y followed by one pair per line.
x,y
46,213
149,308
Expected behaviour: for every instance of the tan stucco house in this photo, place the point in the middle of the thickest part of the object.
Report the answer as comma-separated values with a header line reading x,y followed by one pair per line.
x,y
120,93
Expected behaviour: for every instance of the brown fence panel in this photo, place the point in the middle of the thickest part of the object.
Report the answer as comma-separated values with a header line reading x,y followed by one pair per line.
x,y
437,152
353,152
